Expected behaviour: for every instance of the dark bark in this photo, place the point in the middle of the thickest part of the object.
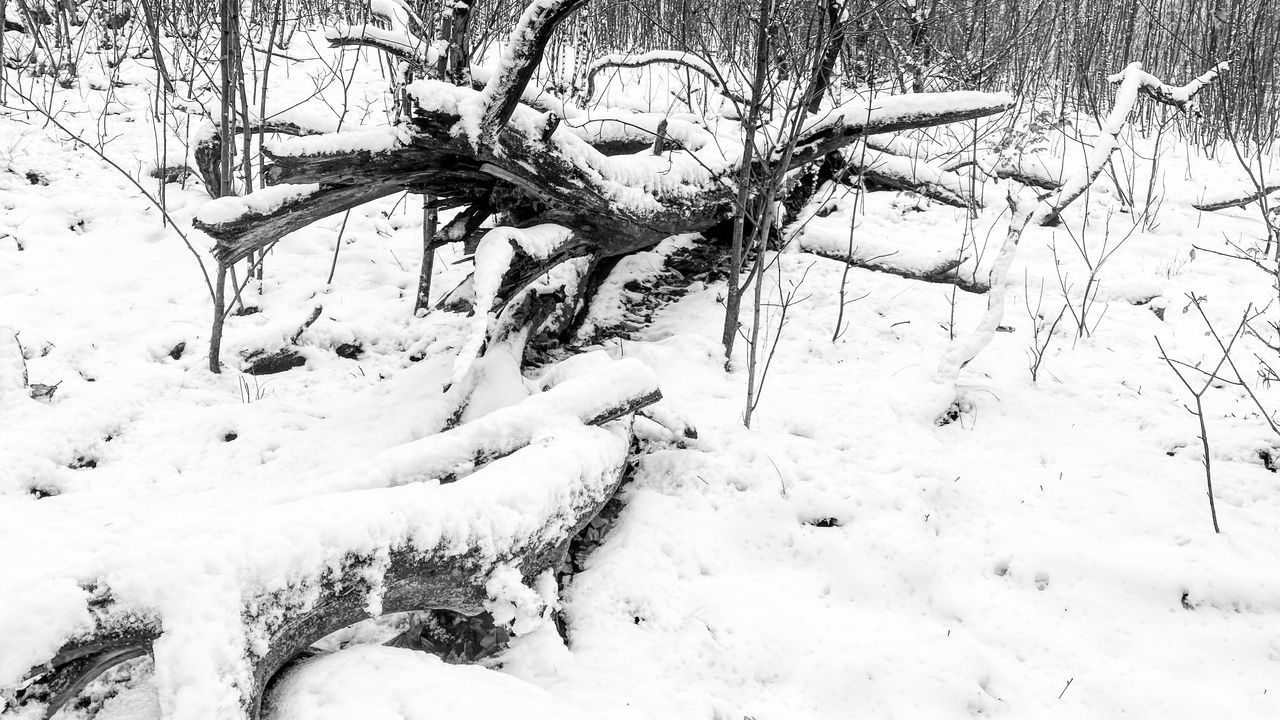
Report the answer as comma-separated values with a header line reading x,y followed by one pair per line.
x,y
831,53
944,273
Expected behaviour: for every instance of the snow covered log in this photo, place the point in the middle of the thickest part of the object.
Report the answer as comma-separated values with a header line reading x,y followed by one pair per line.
x,y
1237,198
260,574
520,59
823,228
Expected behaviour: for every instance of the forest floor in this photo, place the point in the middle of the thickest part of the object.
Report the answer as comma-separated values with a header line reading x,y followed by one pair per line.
x,y
1048,554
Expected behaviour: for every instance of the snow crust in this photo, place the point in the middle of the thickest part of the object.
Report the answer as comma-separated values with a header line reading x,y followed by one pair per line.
x,y
397,684
259,202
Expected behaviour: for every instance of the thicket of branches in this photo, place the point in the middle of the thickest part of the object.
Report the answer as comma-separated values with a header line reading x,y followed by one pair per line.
x,y
1046,50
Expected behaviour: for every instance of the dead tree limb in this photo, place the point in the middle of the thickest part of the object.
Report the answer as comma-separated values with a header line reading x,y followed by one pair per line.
x,y
687,60
208,151
1183,97
1132,80
944,273
502,93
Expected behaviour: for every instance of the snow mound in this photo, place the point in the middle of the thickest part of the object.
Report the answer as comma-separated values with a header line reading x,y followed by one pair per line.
x,y
381,683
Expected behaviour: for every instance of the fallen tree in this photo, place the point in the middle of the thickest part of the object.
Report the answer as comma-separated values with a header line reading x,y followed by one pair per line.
x,y
616,182
616,205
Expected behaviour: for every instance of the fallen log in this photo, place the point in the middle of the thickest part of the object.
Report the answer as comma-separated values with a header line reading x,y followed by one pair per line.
x,y
901,172
360,544
1238,198
463,143
823,229
942,273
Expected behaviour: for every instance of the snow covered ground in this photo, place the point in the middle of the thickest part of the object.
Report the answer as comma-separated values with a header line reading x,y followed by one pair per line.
x,y
1049,554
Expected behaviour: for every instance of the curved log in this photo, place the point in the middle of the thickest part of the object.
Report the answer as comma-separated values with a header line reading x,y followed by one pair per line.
x,y
1133,80
411,580
283,622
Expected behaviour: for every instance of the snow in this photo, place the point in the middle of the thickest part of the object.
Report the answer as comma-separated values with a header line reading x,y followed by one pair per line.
x,y
397,12
398,39
375,140
259,202
1048,554
396,684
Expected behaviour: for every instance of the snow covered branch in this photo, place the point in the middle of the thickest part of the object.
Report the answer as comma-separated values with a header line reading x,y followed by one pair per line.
x,y
520,59
1133,80
615,204
908,173
402,38
686,60
1130,79
1184,97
